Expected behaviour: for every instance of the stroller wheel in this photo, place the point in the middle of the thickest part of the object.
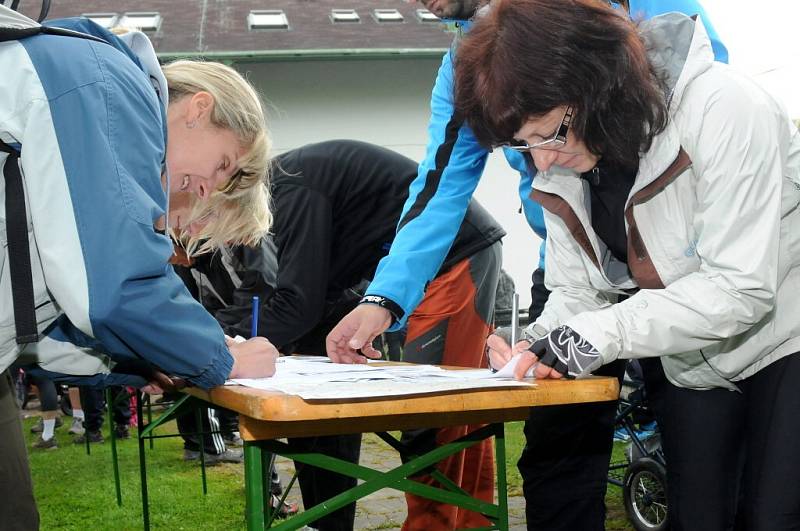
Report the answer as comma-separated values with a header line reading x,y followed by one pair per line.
x,y
645,495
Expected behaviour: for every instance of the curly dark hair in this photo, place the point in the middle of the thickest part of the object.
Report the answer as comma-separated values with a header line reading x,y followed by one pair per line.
x,y
525,58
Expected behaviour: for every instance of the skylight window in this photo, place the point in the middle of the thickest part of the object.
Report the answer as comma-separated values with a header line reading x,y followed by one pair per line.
x,y
344,15
426,16
107,20
141,21
267,19
388,15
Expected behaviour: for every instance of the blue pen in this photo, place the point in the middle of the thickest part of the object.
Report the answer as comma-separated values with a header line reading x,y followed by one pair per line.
x,y
254,321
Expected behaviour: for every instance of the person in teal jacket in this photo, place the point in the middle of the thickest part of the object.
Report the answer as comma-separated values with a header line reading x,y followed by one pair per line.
x,y
565,461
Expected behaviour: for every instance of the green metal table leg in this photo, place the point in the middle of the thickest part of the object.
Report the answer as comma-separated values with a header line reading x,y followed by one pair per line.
x,y
150,417
254,486
374,480
502,485
202,444
267,462
142,465
114,456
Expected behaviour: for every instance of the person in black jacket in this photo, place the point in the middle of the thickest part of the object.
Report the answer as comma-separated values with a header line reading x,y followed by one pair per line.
x,y
336,206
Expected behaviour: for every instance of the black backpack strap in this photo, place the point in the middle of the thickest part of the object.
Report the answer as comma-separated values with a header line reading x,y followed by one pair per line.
x,y
19,257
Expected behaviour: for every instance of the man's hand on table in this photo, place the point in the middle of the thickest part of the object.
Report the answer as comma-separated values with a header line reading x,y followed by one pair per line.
x,y
254,358
351,339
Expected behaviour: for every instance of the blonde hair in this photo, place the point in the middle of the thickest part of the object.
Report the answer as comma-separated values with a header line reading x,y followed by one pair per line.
x,y
226,221
239,212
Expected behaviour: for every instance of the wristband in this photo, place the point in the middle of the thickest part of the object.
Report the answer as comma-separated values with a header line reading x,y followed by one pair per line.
x,y
394,309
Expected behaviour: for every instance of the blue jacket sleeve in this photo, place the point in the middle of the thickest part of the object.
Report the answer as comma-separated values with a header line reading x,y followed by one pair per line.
x,y
92,154
532,210
438,199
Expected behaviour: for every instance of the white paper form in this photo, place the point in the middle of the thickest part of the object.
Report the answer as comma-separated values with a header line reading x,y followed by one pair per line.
x,y
314,379
508,369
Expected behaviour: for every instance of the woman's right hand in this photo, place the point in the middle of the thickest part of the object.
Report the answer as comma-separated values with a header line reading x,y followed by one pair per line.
x,y
254,358
500,352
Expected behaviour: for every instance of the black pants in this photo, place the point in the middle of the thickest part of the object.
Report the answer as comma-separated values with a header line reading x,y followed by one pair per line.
x,y
317,485
220,421
48,396
726,449
93,402
17,508
564,464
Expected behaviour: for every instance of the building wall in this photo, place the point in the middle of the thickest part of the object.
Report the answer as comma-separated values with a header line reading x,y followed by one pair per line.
x,y
385,102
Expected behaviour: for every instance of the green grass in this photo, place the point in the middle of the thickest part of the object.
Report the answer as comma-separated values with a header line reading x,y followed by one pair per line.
x,y
76,491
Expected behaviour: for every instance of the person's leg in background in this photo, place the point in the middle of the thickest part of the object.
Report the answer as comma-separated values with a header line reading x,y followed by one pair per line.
x,y
564,464
122,411
18,509
211,440
94,402
48,398
318,485
450,327
77,412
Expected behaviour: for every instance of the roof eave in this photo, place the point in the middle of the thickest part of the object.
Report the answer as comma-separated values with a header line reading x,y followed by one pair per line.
x,y
261,56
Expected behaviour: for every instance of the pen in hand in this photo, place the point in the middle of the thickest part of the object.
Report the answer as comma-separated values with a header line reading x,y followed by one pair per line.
x,y
254,320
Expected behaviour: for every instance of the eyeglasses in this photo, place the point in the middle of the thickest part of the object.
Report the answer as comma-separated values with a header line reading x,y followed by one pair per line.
x,y
556,141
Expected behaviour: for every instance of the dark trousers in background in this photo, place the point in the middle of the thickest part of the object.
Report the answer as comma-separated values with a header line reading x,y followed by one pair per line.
x,y
318,485
93,402
212,420
18,508
564,464
726,449
48,397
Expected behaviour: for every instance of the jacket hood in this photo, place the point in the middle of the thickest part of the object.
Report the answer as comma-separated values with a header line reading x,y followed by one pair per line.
x,y
11,19
679,49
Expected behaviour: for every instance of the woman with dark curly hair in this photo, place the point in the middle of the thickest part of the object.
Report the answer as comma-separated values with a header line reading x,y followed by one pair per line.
x,y
674,180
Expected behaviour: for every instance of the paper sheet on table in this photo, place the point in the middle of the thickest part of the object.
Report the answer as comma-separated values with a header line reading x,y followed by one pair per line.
x,y
508,370
318,379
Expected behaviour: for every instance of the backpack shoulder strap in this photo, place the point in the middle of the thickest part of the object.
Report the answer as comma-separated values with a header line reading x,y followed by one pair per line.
x,y
19,258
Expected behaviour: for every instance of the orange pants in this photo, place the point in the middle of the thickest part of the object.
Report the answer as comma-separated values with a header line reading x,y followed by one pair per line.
x,y
450,327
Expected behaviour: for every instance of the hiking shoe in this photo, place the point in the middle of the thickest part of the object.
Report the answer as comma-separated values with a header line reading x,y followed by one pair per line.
x,y
45,444
39,426
286,509
621,434
77,427
122,431
233,440
94,437
228,456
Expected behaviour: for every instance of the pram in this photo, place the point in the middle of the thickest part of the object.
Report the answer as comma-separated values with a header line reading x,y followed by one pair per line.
x,y
643,473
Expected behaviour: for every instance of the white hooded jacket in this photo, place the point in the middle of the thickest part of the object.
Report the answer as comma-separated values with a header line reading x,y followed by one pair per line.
x,y
713,223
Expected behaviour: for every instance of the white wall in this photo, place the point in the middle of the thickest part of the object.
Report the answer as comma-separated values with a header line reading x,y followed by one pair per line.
x,y
385,102
762,40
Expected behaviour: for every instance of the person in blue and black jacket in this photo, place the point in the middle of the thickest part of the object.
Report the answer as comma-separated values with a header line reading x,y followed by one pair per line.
x,y
565,461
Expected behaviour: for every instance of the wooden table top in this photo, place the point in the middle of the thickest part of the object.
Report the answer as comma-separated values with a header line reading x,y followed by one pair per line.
x,y
271,414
